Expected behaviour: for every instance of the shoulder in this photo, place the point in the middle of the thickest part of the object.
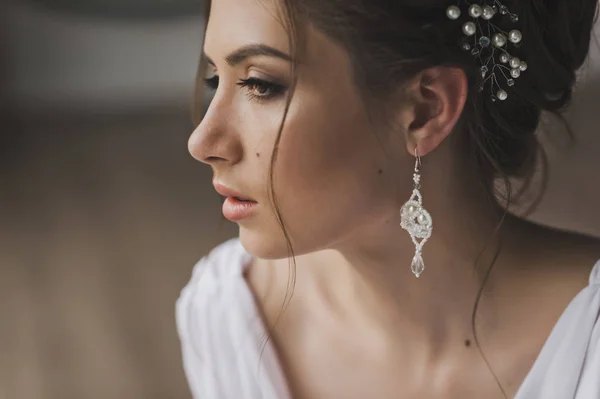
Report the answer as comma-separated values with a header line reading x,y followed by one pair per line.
x,y
566,258
569,364
573,266
576,348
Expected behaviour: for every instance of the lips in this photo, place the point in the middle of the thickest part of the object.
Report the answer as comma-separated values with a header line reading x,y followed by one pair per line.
x,y
228,192
237,206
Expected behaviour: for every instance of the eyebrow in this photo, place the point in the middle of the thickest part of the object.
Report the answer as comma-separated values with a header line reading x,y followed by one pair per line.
x,y
251,50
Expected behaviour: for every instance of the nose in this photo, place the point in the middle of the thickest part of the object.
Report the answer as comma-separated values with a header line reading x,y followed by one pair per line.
x,y
215,141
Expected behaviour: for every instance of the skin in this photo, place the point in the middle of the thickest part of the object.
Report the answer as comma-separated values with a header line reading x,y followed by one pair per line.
x,y
340,180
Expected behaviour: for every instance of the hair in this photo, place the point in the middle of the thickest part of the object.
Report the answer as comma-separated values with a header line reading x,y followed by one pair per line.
x,y
391,41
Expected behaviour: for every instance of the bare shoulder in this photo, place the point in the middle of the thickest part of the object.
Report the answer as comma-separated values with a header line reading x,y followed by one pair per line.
x,y
565,254
577,249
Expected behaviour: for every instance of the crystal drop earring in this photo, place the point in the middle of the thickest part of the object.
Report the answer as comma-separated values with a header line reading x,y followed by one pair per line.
x,y
416,220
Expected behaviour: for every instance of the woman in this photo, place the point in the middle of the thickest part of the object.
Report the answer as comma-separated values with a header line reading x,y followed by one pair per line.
x,y
359,144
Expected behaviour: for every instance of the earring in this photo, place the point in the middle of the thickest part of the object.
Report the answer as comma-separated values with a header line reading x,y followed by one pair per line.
x,y
416,220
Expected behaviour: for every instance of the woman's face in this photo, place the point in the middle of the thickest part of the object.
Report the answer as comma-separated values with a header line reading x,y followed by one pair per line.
x,y
336,174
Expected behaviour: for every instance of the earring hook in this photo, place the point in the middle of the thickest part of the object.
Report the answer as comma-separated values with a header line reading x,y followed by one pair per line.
x,y
417,159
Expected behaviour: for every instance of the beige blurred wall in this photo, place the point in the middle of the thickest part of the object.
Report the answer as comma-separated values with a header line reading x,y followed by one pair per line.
x,y
102,220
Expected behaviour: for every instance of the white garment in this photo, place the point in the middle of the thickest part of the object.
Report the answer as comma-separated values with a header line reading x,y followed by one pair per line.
x,y
222,335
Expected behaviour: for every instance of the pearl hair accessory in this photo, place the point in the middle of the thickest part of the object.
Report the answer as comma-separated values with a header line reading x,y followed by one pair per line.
x,y
488,43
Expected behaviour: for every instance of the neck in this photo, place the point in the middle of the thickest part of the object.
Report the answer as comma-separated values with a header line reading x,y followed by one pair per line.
x,y
368,276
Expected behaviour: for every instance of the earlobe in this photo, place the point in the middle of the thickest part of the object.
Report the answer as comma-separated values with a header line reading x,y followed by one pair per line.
x,y
438,99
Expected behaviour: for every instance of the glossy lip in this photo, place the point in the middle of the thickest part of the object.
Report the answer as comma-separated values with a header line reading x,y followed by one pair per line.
x,y
234,209
228,192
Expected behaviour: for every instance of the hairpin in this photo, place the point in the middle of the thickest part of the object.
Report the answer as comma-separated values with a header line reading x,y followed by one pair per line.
x,y
488,44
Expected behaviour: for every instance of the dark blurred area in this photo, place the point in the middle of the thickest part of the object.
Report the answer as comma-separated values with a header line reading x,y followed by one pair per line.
x,y
102,211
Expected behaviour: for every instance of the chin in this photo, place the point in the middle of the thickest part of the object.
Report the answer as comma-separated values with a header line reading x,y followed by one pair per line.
x,y
270,243
263,244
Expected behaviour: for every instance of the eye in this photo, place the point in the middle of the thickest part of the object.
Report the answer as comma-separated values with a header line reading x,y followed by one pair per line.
x,y
259,89
212,83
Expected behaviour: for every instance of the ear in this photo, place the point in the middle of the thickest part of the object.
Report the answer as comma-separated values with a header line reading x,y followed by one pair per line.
x,y
436,98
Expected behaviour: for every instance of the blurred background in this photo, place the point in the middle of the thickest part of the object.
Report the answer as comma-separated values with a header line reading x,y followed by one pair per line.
x,y
102,211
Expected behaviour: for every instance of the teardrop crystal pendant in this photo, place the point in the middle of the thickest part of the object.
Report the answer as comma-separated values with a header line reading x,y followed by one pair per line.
x,y
416,221
417,266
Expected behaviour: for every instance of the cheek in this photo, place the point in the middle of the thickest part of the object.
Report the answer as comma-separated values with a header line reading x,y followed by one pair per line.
x,y
328,178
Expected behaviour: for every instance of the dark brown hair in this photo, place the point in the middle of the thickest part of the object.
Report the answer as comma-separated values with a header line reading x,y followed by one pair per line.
x,y
390,41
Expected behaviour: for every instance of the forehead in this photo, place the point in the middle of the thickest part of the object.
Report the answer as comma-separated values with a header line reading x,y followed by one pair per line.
x,y
236,23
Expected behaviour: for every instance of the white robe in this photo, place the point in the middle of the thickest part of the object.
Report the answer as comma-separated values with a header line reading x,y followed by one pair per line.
x,y
222,335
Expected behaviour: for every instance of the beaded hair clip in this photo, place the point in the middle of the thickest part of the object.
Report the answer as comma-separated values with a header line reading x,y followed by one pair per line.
x,y
488,44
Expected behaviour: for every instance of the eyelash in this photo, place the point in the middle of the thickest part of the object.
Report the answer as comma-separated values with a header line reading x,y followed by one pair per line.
x,y
250,84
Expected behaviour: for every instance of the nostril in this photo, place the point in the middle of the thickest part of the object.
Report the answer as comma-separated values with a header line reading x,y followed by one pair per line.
x,y
213,159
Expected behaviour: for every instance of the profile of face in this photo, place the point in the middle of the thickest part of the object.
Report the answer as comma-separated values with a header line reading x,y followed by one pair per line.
x,y
337,174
